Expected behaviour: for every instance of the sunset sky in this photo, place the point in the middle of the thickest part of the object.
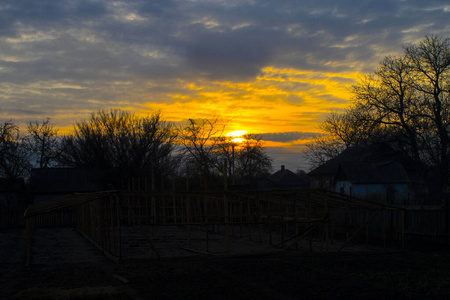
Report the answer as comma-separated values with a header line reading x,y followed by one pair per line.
x,y
273,68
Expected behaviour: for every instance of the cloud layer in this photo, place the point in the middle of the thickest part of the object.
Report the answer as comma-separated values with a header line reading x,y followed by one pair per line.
x,y
269,66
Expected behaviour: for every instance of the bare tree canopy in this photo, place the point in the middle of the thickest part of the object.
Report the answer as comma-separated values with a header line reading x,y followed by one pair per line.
x,y
117,139
247,160
404,103
207,149
44,142
200,139
14,153
200,142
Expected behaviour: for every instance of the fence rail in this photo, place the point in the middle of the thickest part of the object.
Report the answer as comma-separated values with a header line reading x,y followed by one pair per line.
x,y
311,219
11,218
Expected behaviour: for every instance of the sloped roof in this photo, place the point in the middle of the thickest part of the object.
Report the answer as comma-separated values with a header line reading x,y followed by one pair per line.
x,y
285,178
374,163
366,172
62,180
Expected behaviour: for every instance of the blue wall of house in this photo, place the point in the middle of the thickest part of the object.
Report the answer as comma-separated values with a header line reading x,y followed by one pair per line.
x,y
395,194
344,187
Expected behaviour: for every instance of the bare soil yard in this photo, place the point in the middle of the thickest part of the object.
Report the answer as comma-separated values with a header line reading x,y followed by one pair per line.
x,y
65,266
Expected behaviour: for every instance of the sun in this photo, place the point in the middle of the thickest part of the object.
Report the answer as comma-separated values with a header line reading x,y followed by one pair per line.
x,y
237,136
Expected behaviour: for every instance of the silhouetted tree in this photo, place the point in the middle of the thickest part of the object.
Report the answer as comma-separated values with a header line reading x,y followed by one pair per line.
x,y
14,152
342,130
119,140
323,148
247,160
201,141
44,142
390,101
352,127
404,103
207,148
429,61
252,160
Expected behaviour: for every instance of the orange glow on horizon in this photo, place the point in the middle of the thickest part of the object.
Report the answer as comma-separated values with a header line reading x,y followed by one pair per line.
x,y
278,100
237,133
237,136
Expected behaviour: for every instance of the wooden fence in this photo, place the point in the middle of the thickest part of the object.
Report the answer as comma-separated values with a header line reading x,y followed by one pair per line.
x,y
12,207
313,220
11,218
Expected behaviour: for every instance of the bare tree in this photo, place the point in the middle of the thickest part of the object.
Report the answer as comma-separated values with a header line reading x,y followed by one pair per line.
x,y
14,154
404,103
430,63
323,148
201,142
44,142
352,127
388,99
207,148
246,159
119,140
252,161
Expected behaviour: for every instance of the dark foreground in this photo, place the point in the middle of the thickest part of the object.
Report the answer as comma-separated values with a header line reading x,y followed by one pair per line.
x,y
286,275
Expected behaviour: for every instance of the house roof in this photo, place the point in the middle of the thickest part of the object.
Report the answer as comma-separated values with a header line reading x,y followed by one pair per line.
x,y
374,163
63,180
285,178
366,172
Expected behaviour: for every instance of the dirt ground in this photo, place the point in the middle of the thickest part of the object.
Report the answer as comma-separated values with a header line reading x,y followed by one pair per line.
x,y
65,266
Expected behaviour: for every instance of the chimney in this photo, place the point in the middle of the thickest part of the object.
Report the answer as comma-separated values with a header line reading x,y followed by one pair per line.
x,y
282,167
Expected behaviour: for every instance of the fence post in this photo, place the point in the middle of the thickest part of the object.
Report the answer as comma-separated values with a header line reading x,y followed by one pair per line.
x,y
296,221
259,212
119,227
385,213
163,201
269,213
281,219
327,220
174,203
29,238
188,208
367,227
225,206
308,218
445,213
402,220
